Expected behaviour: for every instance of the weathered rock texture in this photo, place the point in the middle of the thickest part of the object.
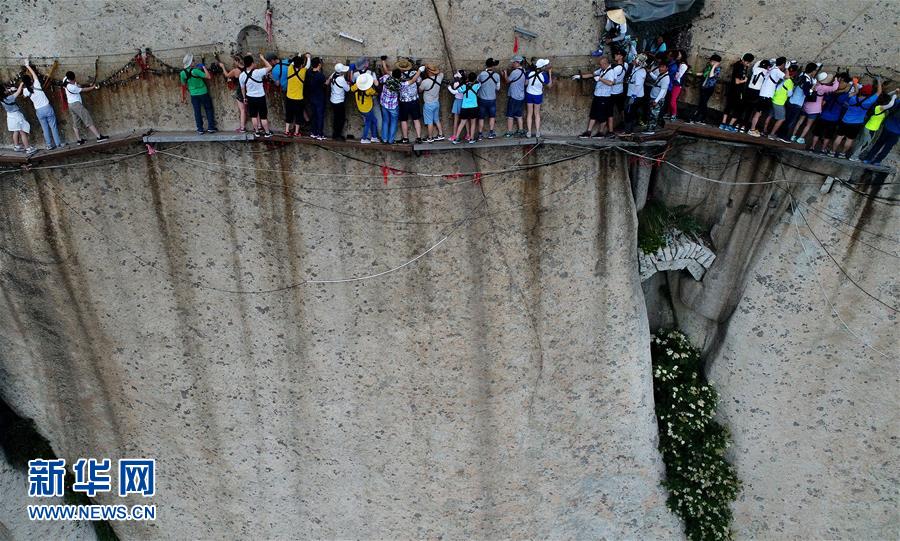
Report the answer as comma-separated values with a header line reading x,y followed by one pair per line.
x,y
499,386
814,413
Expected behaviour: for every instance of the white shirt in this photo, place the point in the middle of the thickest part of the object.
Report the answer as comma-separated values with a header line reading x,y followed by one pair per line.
x,y
775,76
73,93
254,85
38,97
535,84
603,89
339,88
659,89
636,82
757,77
618,75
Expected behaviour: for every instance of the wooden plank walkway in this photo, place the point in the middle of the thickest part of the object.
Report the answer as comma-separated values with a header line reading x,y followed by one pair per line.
x,y
707,131
9,156
662,137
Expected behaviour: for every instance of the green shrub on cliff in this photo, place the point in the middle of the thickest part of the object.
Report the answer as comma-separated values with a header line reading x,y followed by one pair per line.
x,y
656,220
701,483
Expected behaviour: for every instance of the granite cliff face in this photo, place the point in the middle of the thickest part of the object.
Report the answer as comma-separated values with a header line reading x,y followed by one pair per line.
x,y
499,386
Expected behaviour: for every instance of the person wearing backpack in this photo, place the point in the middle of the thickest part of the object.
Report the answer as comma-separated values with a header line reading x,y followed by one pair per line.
x,y
812,107
885,103
733,118
779,105
804,92
515,92
33,89
536,80
858,102
601,104
293,94
254,92
676,68
825,128
751,98
338,86
79,111
770,83
888,138
710,75
487,97
430,88
15,120
314,94
469,108
195,78
365,101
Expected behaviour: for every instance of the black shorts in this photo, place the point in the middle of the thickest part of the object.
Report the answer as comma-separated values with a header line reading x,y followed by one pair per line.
x,y
256,106
825,128
409,110
850,131
601,108
736,103
293,111
618,101
468,113
764,105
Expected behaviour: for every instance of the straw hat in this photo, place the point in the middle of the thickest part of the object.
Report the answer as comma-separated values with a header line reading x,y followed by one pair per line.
x,y
404,64
541,63
188,60
365,81
432,68
616,15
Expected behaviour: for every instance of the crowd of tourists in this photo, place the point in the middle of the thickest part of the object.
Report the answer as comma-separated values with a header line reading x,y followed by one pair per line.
x,y
835,114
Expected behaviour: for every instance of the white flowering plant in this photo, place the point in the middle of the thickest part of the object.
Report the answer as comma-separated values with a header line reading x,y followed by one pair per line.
x,y
701,483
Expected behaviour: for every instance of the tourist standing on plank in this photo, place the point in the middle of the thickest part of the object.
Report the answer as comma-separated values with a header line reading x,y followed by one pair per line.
x,y
658,90
390,101
710,78
195,78
78,110
857,103
33,88
825,128
766,92
254,92
617,95
231,79
364,93
338,86
469,112
733,118
812,107
515,92
886,141
430,87
293,95
885,103
537,79
409,109
487,98
601,104
456,109
314,95
15,120
636,106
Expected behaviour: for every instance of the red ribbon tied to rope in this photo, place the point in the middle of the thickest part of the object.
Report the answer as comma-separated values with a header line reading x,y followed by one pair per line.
x,y
476,178
516,44
269,26
386,172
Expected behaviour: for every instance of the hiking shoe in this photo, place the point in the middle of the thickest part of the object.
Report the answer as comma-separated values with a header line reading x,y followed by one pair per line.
x,y
508,134
753,133
199,132
723,127
418,140
30,150
439,138
404,141
492,134
454,140
853,159
80,142
801,141
473,140
18,148
598,135
364,141
793,138
584,135
51,147
429,140
267,134
537,135
528,135
212,130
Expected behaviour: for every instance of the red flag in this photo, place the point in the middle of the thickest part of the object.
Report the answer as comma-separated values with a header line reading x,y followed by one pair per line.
x,y
516,45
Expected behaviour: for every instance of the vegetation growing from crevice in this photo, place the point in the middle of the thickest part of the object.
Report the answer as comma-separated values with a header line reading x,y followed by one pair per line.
x,y
701,483
657,221
21,442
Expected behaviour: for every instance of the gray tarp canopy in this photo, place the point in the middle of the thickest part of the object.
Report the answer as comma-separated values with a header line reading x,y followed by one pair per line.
x,y
650,10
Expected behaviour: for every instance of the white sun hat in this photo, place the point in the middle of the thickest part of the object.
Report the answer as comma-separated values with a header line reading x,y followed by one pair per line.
x,y
365,81
541,63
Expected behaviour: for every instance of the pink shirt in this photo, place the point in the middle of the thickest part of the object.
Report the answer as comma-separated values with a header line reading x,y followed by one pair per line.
x,y
815,107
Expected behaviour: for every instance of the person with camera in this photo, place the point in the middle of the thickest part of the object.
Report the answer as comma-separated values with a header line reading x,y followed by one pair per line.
x,y
195,78
515,92
487,97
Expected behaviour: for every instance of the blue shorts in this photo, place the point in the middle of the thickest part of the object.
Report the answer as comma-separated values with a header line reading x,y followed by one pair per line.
x,y
432,113
514,108
536,99
487,108
457,105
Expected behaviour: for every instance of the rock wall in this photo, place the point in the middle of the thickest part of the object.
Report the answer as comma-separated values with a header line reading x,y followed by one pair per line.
x,y
498,386
812,410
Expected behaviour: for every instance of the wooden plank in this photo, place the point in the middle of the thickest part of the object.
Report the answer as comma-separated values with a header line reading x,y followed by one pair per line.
x,y
707,131
548,140
194,137
71,149
499,142
336,144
